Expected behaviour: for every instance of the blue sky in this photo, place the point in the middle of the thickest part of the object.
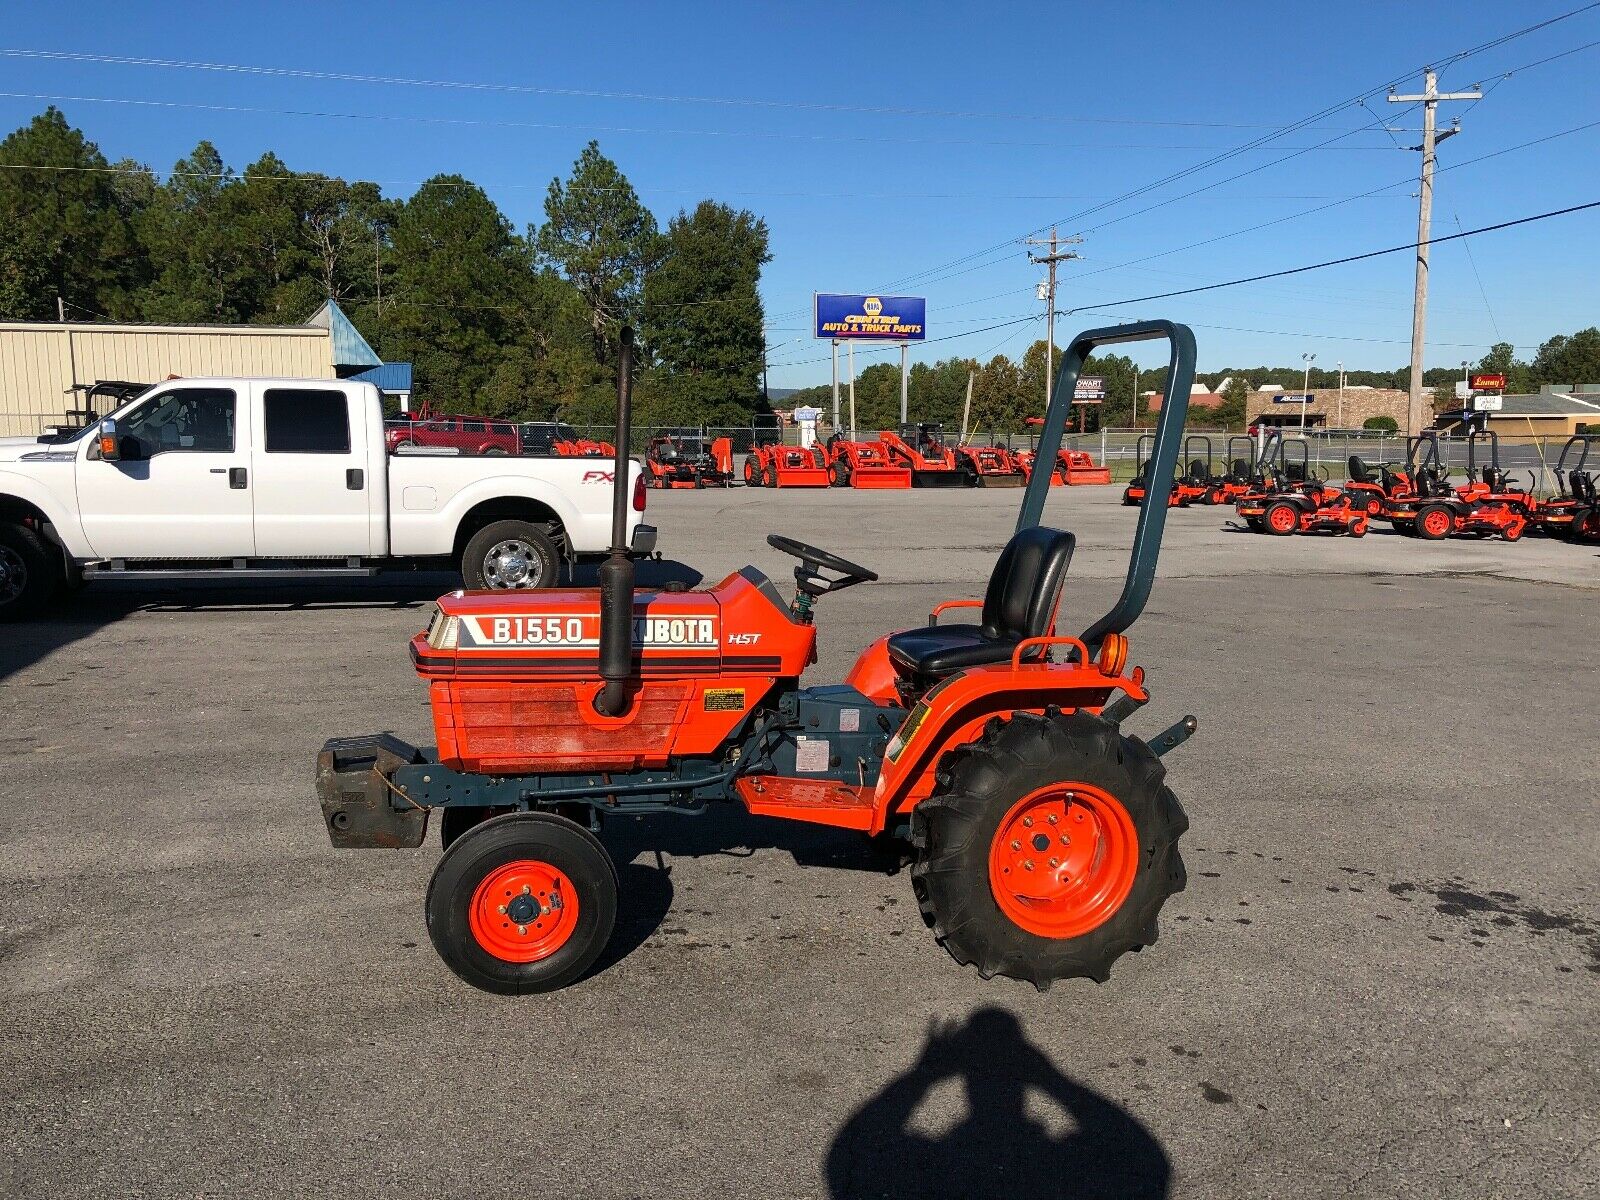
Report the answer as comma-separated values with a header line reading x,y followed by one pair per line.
x,y
1043,111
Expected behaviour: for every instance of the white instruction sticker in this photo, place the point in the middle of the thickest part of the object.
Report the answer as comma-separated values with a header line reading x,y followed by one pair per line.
x,y
810,754
849,720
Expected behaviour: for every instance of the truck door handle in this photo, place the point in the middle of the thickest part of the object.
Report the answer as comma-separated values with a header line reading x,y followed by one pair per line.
x,y
238,478
354,479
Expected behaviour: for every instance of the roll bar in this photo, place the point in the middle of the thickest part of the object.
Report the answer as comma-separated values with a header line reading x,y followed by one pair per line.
x,y
1146,547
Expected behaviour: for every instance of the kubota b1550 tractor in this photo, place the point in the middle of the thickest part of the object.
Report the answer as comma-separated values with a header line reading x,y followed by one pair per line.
x,y
1044,836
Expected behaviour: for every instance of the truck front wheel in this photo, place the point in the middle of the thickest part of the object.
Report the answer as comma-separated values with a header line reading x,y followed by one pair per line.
x,y
510,556
29,572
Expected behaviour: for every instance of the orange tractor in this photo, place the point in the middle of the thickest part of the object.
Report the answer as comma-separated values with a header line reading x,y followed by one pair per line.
x,y
772,464
686,458
864,465
1043,836
930,461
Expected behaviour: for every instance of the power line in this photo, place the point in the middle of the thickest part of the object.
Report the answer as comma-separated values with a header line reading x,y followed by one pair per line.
x,y
1256,142
1482,291
1335,262
598,94
590,129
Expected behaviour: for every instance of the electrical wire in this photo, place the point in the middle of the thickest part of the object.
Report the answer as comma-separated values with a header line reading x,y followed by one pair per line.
x,y
1482,291
598,94
1349,258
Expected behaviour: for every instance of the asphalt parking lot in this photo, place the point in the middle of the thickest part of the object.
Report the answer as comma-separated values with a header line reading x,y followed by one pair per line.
x,y
1383,979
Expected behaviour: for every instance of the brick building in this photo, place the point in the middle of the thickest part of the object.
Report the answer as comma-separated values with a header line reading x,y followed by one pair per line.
x,y
1348,407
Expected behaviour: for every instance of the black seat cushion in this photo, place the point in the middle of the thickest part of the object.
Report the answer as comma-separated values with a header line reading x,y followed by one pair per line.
x,y
1020,603
1359,471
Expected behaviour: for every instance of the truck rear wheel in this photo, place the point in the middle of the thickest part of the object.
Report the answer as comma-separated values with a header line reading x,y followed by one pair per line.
x,y
510,556
522,903
30,572
1048,849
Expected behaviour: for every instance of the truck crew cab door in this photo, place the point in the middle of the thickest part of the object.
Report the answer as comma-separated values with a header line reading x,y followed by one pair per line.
x,y
181,486
317,468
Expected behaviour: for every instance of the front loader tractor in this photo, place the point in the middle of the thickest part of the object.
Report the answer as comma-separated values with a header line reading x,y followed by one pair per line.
x,y
1043,836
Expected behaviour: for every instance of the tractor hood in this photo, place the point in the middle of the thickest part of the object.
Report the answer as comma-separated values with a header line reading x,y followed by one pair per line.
x,y
739,625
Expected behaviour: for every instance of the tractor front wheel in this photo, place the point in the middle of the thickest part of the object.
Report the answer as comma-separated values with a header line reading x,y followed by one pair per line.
x,y
752,472
1048,849
522,903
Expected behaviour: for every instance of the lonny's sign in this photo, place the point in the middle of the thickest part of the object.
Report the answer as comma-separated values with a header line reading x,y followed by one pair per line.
x,y
871,318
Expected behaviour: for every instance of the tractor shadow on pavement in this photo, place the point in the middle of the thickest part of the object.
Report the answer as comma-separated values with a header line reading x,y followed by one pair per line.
x,y
1011,1139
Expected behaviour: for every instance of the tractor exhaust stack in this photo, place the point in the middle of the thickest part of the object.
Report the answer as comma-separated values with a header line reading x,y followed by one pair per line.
x,y
616,573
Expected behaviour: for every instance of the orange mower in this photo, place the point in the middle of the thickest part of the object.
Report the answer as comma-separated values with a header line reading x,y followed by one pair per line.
x,y
1043,837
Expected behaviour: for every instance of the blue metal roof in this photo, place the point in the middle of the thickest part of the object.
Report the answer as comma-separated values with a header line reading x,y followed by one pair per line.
x,y
388,377
350,349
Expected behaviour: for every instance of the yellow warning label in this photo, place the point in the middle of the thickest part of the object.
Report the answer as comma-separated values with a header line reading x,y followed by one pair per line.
x,y
724,699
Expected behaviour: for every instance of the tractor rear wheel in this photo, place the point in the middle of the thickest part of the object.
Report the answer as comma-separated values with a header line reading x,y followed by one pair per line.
x,y
839,473
1281,517
522,903
1048,849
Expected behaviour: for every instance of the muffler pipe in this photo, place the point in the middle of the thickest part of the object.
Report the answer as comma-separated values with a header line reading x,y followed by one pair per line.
x,y
616,573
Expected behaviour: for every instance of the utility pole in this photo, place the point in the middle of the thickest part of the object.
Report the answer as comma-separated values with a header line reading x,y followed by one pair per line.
x,y
1051,259
1416,414
61,310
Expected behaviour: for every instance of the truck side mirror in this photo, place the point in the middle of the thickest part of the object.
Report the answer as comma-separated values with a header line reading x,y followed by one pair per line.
x,y
110,444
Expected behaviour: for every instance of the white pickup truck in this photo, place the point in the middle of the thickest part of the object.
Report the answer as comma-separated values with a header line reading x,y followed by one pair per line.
x,y
284,478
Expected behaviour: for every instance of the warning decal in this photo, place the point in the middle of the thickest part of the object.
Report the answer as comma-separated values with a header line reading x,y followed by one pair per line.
x,y
724,700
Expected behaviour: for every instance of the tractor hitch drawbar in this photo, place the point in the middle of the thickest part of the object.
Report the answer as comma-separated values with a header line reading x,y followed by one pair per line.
x,y
1172,738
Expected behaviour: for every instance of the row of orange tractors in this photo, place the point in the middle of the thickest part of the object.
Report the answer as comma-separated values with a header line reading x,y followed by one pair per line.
x,y
1418,498
915,456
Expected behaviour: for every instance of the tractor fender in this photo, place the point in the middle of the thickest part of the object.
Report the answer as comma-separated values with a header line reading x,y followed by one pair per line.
x,y
955,711
874,675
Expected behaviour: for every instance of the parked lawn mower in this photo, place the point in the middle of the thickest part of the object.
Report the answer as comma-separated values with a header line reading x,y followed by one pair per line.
x,y
1434,510
1585,525
925,455
1273,474
1199,475
864,465
686,458
1140,486
1555,516
1232,484
1371,490
1044,839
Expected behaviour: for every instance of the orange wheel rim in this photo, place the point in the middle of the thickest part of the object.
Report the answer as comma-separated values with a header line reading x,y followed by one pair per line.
x,y
1437,522
1283,518
523,911
1063,860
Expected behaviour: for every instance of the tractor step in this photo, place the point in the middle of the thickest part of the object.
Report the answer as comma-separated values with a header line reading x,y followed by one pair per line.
x,y
820,801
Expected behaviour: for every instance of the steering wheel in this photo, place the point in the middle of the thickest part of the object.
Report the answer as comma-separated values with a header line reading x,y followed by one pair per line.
x,y
806,577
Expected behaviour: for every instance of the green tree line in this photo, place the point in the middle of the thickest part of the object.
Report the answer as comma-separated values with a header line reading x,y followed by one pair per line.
x,y
506,322
1005,393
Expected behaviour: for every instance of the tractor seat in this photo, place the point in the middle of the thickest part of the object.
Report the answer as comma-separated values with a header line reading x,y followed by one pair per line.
x,y
1020,603
1359,471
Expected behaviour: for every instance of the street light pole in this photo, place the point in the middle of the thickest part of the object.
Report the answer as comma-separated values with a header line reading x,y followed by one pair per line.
x,y
1305,392
1340,365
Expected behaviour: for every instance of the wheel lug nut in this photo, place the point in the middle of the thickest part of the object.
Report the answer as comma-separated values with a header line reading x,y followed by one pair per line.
x,y
1027,822
1055,862
502,910
1051,818
526,890
1027,864
522,929
1016,845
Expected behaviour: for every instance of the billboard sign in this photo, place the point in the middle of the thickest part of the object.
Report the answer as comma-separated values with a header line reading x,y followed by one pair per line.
x,y
871,318
1091,389
1294,398
1488,383
1487,403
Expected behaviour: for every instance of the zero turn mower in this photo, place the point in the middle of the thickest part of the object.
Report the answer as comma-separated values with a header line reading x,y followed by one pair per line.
x,y
1434,510
1233,483
1555,516
1044,838
1140,486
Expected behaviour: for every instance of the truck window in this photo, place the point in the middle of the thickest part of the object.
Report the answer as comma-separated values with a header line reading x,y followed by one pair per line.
x,y
306,421
184,420
472,426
